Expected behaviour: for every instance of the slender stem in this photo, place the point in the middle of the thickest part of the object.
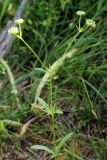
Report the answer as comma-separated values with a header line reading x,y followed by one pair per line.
x,y
51,96
20,30
53,131
35,54
69,44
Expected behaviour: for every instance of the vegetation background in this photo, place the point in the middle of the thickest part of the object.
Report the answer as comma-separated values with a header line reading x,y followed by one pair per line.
x,y
80,86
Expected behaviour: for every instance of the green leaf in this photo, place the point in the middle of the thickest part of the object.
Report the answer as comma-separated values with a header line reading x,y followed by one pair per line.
x,y
44,104
58,111
4,7
44,148
40,69
62,142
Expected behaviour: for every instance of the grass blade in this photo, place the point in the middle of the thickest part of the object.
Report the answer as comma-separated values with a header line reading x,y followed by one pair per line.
x,y
62,142
44,148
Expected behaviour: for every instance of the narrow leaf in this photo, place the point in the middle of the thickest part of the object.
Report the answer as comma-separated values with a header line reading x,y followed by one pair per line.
x,y
62,142
40,69
44,104
58,111
44,148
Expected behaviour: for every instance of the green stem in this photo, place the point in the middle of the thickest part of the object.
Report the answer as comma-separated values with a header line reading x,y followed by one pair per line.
x,y
69,44
53,131
20,30
35,54
51,96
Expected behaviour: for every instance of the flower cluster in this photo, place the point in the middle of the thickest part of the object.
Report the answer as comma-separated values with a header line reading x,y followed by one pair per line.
x,y
90,23
80,13
15,30
19,21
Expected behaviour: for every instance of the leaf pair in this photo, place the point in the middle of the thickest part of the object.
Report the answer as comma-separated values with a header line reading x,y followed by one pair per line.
x,y
50,110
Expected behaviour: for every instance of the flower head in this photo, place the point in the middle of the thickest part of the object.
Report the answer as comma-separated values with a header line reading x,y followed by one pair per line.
x,y
13,30
19,21
80,13
90,23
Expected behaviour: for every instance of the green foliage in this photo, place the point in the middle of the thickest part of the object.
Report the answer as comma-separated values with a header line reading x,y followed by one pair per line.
x,y
45,107
64,3
3,131
62,142
99,147
2,127
5,4
57,148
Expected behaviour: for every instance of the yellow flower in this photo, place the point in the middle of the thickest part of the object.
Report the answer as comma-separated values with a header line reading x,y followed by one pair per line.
x,y
90,23
80,13
13,30
19,21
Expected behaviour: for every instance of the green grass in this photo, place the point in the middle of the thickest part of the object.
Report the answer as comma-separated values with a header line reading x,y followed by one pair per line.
x,y
80,85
